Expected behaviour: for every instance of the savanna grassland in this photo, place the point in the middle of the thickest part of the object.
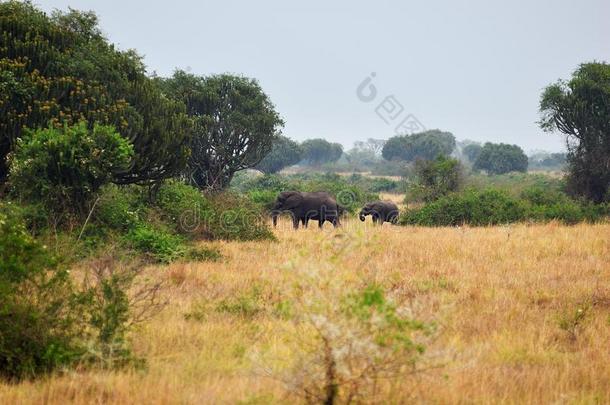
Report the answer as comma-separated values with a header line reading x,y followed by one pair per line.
x,y
521,314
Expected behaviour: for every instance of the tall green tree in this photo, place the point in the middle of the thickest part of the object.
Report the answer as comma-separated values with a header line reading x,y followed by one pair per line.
x,y
580,109
500,158
435,179
317,151
472,151
235,125
284,152
60,70
424,145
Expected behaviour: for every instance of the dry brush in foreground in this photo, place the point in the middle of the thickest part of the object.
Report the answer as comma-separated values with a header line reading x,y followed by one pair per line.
x,y
521,314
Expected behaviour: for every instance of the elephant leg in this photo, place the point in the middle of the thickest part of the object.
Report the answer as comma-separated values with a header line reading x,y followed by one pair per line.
x,y
274,219
295,222
304,221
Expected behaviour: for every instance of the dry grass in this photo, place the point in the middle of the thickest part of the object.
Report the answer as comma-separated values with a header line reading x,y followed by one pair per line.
x,y
505,299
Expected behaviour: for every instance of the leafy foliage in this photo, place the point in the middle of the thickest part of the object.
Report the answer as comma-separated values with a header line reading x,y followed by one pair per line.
x,y
580,109
161,245
61,70
164,226
435,179
37,317
500,158
492,207
235,125
284,152
64,168
424,145
472,151
345,339
317,151
234,217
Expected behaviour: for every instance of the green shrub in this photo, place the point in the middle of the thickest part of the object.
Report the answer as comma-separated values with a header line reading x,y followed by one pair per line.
x,y
108,306
64,168
234,217
120,207
491,206
181,206
263,198
486,207
162,246
34,217
38,321
435,179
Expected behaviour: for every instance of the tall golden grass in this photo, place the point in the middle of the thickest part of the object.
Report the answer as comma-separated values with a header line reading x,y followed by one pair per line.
x,y
523,315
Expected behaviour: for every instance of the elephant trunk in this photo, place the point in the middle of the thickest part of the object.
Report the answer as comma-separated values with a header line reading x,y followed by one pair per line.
x,y
361,215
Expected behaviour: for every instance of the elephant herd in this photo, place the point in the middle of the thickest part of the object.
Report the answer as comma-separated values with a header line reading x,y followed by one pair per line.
x,y
321,206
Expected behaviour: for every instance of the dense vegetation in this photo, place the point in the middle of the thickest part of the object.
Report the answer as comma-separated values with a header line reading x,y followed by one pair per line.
x,y
580,109
234,125
425,145
500,158
60,70
106,170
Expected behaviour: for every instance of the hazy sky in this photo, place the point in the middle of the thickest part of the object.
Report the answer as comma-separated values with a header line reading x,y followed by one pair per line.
x,y
474,68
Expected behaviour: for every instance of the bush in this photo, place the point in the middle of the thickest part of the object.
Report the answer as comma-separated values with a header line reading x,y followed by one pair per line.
x,y
160,245
234,217
181,205
64,168
265,199
345,338
435,179
492,206
216,216
120,208
486,207
38,320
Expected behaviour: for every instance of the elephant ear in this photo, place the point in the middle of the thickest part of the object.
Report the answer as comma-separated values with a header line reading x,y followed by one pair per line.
x,y
293,200
284,195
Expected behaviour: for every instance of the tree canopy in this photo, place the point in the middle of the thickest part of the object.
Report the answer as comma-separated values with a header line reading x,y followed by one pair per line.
x,y
234,125
284,152
424,145
60,70
317,151
472,151
580,109
435,178
500,158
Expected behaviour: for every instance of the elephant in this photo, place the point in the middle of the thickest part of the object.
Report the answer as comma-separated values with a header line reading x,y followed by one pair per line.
x,y
304,206
381,211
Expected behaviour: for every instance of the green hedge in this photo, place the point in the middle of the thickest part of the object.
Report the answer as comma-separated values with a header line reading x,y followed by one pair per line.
x,y
492,207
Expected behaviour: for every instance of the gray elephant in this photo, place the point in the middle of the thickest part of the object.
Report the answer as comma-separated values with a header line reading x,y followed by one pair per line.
x,y
304,206
381,211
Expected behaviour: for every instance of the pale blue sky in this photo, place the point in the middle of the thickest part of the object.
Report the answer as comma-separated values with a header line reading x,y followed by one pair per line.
x,y
475,68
